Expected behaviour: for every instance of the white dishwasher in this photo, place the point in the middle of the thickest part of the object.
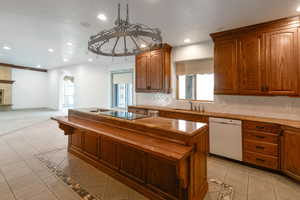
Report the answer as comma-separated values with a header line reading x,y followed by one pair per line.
x,y
225,138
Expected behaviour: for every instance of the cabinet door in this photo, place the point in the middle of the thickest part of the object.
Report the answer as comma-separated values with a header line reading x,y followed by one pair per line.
x,y
249,63
162,177
156,70
141,73
109,152
91,144
291,152
76,139
132,163
282,62
225,69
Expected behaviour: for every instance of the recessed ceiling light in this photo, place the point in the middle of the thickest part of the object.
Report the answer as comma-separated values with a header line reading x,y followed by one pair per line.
x,y
90,59
298,9
51,50
7,48
102,17
70,44
66,60
187,40
143,46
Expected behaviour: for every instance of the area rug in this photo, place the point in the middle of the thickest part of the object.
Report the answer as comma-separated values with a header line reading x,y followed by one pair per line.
x,y
66,168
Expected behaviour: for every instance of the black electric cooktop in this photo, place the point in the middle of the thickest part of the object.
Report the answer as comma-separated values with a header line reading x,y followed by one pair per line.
x,y
124,115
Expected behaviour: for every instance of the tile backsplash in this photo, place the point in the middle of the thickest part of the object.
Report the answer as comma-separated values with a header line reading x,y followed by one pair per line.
x,y
275,107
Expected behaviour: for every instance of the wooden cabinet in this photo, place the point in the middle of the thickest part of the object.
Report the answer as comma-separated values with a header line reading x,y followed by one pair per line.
x,y
141,70
250,63
282,62
132,163
168,183
225,67
153,70
109,154
261,59
76,139
91,143
291,152
261,144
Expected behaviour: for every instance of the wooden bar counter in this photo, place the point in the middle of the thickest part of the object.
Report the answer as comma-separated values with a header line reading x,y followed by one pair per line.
x,y
161,158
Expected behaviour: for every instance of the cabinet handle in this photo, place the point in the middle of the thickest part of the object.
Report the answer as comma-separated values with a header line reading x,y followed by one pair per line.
x,y
260,160
260,137
260,147
260,127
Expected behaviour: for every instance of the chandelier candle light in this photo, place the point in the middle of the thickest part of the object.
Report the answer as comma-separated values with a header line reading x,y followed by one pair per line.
x,y
125,39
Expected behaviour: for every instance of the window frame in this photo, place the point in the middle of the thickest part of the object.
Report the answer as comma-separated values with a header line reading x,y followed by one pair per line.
x,y
112,100
194,91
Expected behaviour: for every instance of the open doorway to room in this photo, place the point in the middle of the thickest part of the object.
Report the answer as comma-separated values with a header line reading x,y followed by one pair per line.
x,y
122,89
68,92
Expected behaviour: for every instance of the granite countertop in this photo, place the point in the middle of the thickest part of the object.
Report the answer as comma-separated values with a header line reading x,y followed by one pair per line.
x,y
284,122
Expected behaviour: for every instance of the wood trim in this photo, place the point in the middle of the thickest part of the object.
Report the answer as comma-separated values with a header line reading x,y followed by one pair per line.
x,y
292,20
22,67
7,81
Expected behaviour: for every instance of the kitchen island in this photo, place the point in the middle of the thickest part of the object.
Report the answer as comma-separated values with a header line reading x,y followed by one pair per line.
x,y
161,158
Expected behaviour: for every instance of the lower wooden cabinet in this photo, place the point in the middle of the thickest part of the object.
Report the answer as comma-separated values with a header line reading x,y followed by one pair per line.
x,y
291,152
261,144
132,163
157,176
109,152
76,139
263,160
90,144
162,177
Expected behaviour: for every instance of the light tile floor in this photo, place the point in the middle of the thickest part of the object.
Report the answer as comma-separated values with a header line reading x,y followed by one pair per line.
x,y
24,177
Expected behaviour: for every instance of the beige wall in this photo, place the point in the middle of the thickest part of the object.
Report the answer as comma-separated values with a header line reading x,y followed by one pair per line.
x,y
5,74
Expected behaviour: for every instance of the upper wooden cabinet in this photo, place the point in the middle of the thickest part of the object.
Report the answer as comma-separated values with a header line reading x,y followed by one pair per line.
x,y
250,63
290,152
225,67
282,62
141,69
153,70
258,60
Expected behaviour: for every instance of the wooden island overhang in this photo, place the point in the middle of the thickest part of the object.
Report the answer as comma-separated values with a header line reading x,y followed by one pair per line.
x,y
161,158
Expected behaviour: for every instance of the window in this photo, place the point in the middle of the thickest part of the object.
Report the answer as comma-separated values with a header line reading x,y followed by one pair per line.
x,y
122,89
195,80
68,88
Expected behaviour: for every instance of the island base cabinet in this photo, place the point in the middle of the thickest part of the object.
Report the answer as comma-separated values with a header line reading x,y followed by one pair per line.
x,y
156,177
291,152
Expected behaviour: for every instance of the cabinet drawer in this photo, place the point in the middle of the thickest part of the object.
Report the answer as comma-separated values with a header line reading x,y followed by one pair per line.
x,y
261,160
261,137
261,147
261,126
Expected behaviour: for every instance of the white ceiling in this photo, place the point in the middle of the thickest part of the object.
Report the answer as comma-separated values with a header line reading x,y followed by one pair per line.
x,y
30,27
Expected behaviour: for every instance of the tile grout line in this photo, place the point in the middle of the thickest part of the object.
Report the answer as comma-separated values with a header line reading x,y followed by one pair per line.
x,y
6,181
16,130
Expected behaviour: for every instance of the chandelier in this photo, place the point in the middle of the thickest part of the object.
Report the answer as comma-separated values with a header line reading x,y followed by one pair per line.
x,y
125,39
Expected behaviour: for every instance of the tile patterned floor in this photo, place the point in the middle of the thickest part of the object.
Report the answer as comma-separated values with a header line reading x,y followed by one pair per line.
x,y
24,177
